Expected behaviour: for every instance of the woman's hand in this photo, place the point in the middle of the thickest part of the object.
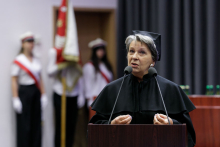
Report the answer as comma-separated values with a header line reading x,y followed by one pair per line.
x,y
160,119
122,119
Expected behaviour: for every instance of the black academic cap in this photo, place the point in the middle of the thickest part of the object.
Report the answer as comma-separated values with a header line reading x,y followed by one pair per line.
x,y
156,37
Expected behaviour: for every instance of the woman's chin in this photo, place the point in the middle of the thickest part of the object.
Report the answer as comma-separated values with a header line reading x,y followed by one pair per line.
x,y
135,71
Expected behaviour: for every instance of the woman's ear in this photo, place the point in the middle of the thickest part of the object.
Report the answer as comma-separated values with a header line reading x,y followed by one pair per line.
x,y
152,65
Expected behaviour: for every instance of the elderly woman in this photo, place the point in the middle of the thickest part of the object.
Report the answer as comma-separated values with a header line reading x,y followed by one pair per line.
x,y
139,101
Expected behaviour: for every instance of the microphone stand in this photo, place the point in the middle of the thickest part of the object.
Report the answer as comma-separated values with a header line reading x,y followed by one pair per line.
x,y
127,70
116,100
162,100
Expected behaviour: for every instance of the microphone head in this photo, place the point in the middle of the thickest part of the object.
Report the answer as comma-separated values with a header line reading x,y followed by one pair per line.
x,y
128,70
152,71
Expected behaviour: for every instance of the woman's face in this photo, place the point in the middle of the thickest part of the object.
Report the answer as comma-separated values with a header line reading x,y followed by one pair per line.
x,y
100,53
28,46
139,58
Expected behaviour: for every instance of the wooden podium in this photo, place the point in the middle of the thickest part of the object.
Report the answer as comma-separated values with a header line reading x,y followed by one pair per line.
x,y
206,120
137,135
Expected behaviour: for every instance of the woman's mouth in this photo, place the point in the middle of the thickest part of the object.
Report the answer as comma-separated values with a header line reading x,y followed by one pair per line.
x,y
134,65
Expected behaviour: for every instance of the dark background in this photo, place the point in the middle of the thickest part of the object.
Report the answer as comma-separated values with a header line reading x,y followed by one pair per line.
x,y
190,38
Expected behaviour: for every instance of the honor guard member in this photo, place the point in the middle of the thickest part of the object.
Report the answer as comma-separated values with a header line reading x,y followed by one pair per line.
x,y
97,73
73,99
28,94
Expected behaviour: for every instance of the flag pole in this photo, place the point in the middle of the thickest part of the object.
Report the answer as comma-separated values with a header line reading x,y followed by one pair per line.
x,y
63,114
63,107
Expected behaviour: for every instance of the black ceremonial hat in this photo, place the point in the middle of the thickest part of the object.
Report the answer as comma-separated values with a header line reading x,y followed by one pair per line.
x,y
155,36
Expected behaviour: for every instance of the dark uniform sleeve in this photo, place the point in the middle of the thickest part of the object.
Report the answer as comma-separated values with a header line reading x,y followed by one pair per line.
x,y
99,119
185,118
175,122
191,131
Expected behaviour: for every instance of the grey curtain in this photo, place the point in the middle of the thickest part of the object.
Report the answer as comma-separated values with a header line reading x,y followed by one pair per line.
x,y
190,31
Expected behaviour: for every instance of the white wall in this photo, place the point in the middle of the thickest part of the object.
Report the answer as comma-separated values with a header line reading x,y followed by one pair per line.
x,y
17,17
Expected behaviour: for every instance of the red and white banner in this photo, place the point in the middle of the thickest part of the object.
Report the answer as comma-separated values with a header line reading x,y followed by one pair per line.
x,y
66,41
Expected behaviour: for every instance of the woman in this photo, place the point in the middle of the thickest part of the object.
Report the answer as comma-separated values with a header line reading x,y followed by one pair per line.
x,y
139,101
97,73
28,94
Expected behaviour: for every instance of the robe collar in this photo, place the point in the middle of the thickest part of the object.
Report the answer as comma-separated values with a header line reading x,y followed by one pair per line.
x,y
146,77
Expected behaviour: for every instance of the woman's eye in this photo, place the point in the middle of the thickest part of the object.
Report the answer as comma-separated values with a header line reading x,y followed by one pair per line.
x,y
131,51
142,52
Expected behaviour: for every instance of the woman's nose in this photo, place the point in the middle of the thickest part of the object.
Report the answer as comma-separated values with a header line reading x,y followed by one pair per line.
x,y
135,56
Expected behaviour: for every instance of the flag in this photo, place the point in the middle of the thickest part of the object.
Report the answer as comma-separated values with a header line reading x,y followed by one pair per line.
x,y
66,46
66,41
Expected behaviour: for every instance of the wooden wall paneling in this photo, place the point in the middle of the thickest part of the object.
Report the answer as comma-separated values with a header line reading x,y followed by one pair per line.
x,y
204,100
88,28
55,15
108,28
206,120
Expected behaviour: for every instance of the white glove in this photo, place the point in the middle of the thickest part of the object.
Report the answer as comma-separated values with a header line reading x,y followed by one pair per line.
x,y
17,105
43,101
81,98
80,101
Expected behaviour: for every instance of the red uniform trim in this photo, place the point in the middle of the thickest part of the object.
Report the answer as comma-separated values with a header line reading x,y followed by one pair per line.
x,y
29,72
103,75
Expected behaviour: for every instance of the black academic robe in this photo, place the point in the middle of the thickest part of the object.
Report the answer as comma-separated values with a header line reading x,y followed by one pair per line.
x,y
142,101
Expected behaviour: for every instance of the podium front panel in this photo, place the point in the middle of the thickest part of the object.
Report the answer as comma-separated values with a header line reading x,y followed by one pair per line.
x,y
137,135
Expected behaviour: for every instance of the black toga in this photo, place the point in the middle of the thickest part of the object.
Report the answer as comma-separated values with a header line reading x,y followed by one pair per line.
x,y
142,101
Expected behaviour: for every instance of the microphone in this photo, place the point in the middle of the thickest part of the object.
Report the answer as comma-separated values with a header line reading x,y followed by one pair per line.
x,y
153,72
127,70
